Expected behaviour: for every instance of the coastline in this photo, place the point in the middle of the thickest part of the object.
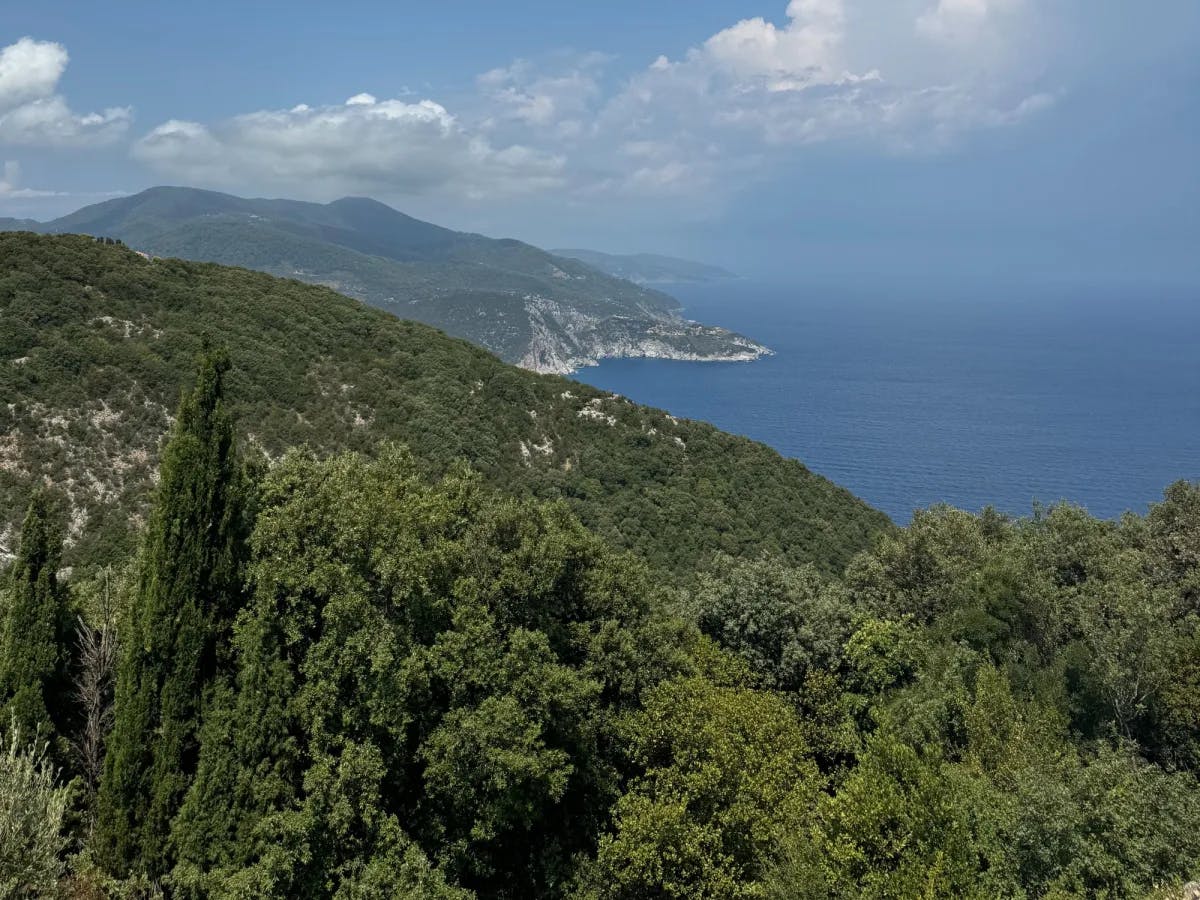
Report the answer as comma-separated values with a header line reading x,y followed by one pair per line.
x,y
550,359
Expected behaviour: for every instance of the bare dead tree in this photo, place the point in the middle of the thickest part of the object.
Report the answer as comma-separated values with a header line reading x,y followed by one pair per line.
x,y
96,647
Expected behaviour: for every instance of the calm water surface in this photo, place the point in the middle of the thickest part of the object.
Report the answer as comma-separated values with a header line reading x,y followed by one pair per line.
x,y
968,397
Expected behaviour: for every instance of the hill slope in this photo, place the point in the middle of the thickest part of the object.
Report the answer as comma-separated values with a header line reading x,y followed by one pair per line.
x,y
544,312
96,343
649,268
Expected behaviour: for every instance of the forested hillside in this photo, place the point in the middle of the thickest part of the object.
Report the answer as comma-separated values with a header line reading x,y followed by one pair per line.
x,y
96,343
360,670
341,678
548,313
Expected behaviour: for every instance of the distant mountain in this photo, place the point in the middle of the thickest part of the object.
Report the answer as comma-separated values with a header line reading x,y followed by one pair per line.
x,y
96,343
7,224
649,268
543,312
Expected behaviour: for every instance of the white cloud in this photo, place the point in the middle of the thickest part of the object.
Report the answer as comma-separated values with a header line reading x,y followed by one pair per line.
x,y
964,20
31,110
365,145
802,53
890,76
898,76
558,97
30,70
827,75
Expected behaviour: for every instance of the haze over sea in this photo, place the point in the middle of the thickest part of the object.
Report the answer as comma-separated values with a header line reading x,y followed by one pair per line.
x,y
973,396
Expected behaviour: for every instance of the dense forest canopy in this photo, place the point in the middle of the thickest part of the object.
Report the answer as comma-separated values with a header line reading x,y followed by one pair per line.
x,y
357,674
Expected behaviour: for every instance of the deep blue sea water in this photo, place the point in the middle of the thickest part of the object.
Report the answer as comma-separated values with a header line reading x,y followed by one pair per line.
x,y
973,396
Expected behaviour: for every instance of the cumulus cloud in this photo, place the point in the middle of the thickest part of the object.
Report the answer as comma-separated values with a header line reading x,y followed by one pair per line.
x,y
30,70
31,110
364,145
802,53
901,76
817,78
894,76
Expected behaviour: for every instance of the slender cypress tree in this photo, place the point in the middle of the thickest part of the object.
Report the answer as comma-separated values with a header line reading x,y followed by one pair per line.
x,y
35,655
189,585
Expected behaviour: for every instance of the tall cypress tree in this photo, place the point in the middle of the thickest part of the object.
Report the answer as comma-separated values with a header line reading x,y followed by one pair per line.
x,y
189,585
35,654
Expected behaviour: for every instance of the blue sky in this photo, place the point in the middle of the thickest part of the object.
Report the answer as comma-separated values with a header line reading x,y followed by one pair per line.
x,y
951,139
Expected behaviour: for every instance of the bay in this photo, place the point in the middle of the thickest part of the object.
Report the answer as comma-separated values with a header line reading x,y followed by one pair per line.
x,y
910,396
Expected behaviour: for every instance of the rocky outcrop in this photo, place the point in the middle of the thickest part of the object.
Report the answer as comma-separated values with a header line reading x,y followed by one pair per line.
x,y
563,339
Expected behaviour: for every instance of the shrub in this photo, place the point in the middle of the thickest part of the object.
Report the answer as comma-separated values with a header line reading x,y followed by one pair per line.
x,y
31,815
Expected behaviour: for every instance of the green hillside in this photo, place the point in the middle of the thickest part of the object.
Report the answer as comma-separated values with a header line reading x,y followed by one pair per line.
x,y
96,343
545,312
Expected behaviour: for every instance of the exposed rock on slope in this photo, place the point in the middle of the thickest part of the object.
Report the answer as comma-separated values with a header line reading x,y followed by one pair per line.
x,y
564,339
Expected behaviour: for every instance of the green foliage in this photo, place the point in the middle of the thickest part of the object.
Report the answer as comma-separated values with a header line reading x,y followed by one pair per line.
x,y
881,655
1085,821
422,664
1127,632
1021,813
783,622
899,827
727,773
36,634
440,692
189,586
919,570
1016,665
1173,714
1173,528
32,809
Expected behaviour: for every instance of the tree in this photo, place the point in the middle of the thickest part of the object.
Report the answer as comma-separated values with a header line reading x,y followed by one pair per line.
x,y
727,774
96,658
784,622
31,818
428,675
881,655
1174,532
189,586
35,657
1126,628
899,827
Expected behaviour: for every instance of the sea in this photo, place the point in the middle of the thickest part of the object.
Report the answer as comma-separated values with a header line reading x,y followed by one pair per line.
x,y
910,396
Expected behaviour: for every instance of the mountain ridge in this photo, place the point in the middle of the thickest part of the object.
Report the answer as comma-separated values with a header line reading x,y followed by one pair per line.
x,y
546,313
